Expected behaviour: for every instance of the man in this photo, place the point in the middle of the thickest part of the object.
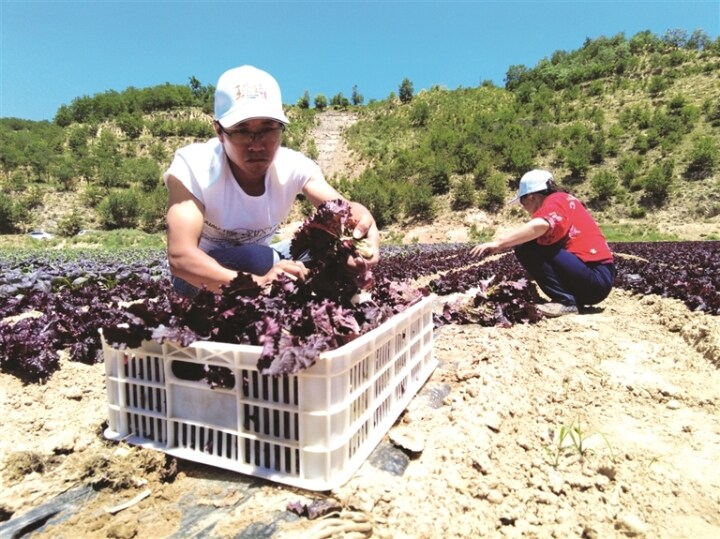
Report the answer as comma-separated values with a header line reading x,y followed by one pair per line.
x,y
229,195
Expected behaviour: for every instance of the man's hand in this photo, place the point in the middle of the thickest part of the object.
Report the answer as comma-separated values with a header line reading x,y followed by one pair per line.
x,y
296,270
367,231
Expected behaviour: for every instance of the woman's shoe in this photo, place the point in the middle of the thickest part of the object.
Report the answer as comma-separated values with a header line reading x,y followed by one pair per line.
x,y
553,310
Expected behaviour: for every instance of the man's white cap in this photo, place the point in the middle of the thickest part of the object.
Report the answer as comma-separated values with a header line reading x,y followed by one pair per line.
x,y
532,182
246,92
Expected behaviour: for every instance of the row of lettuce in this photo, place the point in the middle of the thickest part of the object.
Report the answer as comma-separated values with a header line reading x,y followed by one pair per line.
x,y
59,300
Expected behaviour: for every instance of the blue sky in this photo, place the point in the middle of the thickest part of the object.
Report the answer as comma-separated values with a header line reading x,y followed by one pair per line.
x,y
54,51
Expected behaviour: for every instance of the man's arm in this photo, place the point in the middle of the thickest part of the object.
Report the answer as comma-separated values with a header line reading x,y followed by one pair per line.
x,y
318,190
184,225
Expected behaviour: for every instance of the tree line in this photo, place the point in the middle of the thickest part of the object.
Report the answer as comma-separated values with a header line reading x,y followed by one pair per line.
x,y
624,122
614,116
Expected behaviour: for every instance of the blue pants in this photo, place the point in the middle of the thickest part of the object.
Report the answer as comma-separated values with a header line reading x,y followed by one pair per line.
x,y
563,277
249,258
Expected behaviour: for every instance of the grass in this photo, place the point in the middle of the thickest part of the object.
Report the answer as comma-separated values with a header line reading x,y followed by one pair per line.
x,y
481,235
136,239
635,233
394,237
108,240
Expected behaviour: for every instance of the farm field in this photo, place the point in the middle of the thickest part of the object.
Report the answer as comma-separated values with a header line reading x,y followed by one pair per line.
x,y
603,424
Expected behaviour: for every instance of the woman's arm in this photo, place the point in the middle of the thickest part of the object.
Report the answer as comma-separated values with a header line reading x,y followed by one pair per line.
x,y
531,230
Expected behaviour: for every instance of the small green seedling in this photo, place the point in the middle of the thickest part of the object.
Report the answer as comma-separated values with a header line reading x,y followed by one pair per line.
x,y
573,439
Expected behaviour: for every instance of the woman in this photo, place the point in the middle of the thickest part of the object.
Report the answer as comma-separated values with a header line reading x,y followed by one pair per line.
x,y
561,247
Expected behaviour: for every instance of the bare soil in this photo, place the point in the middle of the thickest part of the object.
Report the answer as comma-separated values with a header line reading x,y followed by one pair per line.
x,y
639,379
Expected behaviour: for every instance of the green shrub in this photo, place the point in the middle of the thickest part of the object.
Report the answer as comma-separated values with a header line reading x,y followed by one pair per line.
x,y
614,138
304,101
463,194
713,113
482,235
63,169
598,148
33,198
161,128
596,88
419,114
657,86
379,195
604,184
658,181
92,196
9,215
120,209
306,207
193,128
339,102
357,98
495,192
158,151
405,92
577,158
143,172
437,176
153,209
518,157
420,203
629,169
131,124
641,143
70,225
466,158
77,139
108,175
704,158
321,102
311,150
482,172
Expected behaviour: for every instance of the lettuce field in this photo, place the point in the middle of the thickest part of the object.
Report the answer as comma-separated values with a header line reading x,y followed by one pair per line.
x,y
55,300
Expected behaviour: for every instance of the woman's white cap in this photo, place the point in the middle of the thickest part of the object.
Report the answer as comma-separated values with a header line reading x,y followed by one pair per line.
x,y
246,92
532,182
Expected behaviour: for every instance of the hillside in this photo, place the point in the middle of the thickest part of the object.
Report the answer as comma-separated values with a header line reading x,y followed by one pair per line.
x,y
630,125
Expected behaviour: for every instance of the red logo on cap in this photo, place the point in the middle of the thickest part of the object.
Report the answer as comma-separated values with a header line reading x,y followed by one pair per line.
x,y
250,91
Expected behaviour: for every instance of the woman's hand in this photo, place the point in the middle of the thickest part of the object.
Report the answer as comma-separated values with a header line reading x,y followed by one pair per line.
x,y
485,249
530,231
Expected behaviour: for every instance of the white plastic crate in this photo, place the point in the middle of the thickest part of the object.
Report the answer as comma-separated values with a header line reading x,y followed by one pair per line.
x,y
311,430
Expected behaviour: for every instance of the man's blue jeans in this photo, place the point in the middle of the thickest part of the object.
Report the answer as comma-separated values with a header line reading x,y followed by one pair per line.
x,y
249,258
563,277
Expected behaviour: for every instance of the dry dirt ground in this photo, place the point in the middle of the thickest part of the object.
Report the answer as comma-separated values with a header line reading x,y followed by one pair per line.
x,y
637,384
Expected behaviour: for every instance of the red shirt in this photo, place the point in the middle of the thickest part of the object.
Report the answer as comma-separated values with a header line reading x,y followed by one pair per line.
x,y
571,223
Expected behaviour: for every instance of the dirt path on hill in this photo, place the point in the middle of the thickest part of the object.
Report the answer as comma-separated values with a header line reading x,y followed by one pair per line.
x,y
334,156
640,379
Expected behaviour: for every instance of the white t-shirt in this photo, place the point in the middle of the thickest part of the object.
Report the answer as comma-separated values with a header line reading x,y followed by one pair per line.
x,y
232,217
